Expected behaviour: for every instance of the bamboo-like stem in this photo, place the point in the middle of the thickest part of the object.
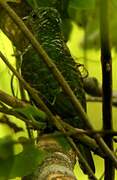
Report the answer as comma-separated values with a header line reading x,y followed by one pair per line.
x,y
60,79
22,91
41,52
54,120
106,83
16,103
88,132
11,101
8,111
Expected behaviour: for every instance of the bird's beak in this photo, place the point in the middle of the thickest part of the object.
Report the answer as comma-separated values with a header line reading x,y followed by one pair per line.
x,y
25,18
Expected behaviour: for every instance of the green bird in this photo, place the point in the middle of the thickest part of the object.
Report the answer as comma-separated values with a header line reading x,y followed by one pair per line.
x,y
45,23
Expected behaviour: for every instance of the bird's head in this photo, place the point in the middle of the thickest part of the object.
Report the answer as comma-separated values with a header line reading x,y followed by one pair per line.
x,y
44,19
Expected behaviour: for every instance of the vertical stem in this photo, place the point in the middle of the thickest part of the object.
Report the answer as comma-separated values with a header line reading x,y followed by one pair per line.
x,y
85,24
85,47
107,82
58,77
22,92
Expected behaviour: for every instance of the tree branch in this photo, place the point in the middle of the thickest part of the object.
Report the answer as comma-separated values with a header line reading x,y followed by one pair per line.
x,y
52,119
94,88
59,164
71,131
60,79
99,99
11,101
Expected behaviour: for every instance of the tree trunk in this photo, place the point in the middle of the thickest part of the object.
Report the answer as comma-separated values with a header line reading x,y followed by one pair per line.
x,y
58,165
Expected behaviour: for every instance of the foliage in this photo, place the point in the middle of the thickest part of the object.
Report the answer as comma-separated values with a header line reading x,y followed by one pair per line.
x,y
21,164
6,156
84,13
33,114
27,161
68,9
84,4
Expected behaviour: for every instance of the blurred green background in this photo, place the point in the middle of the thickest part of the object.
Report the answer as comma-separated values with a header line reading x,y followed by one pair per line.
x,y
94,68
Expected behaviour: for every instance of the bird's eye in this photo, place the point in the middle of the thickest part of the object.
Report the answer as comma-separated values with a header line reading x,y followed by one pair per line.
x,y
34,16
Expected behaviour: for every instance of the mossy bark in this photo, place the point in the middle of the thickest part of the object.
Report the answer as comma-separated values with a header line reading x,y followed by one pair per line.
x,y
58,165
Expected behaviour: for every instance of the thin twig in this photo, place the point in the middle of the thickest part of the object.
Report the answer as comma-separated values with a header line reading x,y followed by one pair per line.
x,y
9,111
94,88
5,120
22,91
99,99
60,79
11,101
53,119
89,132
16,103
57,74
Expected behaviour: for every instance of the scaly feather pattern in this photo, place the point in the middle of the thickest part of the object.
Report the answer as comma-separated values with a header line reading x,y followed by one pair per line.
x,y
45,23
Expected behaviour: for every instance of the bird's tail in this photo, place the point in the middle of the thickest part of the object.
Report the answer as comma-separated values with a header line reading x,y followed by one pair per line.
x,y
86,153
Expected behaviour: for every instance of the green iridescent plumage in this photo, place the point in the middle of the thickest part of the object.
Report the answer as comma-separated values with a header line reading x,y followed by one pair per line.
x,y
46,26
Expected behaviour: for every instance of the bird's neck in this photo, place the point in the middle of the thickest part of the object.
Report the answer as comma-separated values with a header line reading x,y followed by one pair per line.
x,y
49,36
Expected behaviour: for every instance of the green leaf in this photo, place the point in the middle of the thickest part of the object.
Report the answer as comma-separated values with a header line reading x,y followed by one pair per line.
x,y
28,160
82,4
29,111
32,113
6,167
6,157
6,147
